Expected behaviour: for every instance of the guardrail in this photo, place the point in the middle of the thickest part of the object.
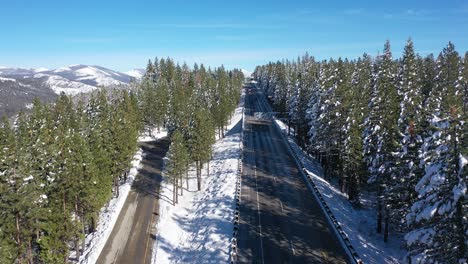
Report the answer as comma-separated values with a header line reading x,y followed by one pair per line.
x,y
233,246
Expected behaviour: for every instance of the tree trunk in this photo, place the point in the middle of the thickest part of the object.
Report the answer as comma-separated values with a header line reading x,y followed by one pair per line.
x,y
199,180
37,231
93,225
18,235
30,252
77,247
379,215
77,237
116,186
386,226
83,231
186,179
181,186
174,193
460,228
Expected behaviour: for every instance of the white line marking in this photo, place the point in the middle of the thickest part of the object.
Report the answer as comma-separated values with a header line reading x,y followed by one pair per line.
x,y
259,217
281,204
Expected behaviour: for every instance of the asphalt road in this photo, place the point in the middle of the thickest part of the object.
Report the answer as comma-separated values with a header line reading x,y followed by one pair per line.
x,y
132,239
280,220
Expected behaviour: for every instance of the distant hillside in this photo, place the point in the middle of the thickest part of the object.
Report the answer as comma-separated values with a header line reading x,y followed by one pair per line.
x,y
18,87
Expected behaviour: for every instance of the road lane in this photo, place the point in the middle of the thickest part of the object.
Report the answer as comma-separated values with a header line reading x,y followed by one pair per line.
x,y
280,221
132,238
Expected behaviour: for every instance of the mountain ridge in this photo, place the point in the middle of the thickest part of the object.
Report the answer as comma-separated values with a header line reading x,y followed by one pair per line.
x,y
19,86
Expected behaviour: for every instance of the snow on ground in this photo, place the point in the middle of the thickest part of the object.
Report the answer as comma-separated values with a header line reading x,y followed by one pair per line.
x,y
96,241
151,134
7,80
359,224
199,228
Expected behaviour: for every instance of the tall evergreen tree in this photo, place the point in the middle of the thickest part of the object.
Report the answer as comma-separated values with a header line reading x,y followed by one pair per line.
x,y
176,167
401,186
438,217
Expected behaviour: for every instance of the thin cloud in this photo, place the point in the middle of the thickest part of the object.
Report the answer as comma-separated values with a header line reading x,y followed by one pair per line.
x,y
355,11
230,38
203,26
90,40
208,26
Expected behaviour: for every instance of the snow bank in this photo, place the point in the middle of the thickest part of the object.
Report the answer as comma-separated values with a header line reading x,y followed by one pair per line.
x,y
358,224
151,134
199,228
96,241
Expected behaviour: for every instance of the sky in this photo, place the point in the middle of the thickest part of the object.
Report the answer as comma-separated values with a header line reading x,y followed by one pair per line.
x,y
123,35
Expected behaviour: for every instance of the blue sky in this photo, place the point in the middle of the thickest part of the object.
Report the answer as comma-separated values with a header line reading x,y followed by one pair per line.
x,y
122,35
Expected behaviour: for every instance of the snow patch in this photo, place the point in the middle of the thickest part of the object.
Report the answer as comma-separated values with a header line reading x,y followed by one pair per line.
x,y
7,80
151,134
59,84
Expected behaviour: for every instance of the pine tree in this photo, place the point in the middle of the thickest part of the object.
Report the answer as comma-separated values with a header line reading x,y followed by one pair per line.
x,y
356,101
401,186
178,157
438,217
8,247
384,135
202,140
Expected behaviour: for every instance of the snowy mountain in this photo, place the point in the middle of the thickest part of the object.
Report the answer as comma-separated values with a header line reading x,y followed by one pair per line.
x,y
246,73
136,73
71,79
19,86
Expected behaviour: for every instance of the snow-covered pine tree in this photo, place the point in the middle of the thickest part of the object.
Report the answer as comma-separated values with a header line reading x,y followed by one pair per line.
x,y
308,78
357,98
438,217
9,249
314,111
400,189
428,75
294,87
178,156
382,134
280,88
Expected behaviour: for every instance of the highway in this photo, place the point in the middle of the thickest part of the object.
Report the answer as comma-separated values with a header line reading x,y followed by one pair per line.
x,y
133,236
280,220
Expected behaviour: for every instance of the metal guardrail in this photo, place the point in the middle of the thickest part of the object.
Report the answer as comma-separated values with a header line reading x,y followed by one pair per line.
x,y
233,246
